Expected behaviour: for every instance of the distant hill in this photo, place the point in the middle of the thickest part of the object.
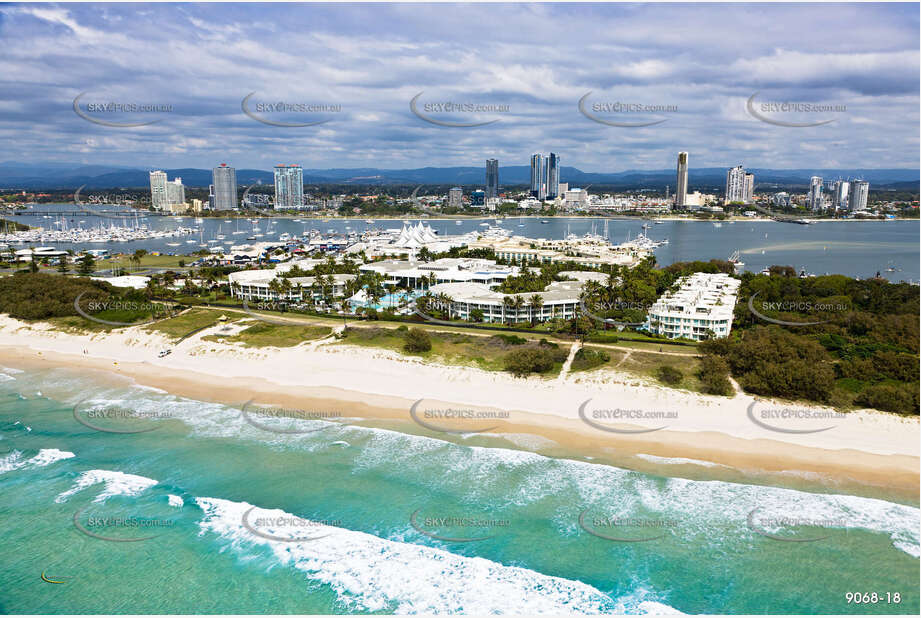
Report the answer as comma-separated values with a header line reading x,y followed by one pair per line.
x,y
15,175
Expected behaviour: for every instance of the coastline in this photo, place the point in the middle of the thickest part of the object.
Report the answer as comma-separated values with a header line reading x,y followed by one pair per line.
x,y
712,437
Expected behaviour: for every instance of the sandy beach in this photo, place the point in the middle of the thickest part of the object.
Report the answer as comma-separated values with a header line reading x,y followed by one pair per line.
x,y
599,415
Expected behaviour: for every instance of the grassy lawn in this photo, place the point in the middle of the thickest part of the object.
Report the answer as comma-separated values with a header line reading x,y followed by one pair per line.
x,y
262,334
183,324
645,365
449,348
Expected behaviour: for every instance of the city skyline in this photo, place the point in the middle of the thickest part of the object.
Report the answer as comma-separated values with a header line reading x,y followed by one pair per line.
x,y
364,61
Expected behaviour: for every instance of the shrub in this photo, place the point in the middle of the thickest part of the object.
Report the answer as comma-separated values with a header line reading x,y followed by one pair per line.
x,y
589,359
522,363
511,339
669,375
416,341
902,398
713,375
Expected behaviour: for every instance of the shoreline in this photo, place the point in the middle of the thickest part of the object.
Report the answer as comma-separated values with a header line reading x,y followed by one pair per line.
x,y
867,452
485,216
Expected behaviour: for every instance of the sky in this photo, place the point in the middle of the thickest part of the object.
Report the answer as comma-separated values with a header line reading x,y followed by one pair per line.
x,y
699,65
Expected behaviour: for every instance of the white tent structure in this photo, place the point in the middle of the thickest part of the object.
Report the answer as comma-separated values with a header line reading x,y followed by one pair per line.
x,y
413,237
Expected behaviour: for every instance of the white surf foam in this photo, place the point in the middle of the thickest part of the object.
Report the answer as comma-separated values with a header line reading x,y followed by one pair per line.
x,y
45,457
373,574
116,484
679,461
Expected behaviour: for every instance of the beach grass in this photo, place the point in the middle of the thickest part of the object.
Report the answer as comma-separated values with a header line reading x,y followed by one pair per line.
x,y
262,335
186,322
448,347
646,365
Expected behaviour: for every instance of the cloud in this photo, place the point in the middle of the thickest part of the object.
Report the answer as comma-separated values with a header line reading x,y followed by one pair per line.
x,y
538,59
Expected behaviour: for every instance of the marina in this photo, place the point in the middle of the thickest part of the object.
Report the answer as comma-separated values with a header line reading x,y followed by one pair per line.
x,y
853,248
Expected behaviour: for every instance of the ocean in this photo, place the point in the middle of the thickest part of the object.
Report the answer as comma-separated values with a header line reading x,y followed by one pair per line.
x,y
202,512
853,248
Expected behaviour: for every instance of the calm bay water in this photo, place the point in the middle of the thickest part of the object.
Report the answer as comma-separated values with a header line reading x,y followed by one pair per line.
x,y
203,468
853,248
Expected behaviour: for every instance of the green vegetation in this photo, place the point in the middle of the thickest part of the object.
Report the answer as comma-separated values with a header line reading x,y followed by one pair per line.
x,y
669,375
263,334
416,341
713,375
186,323
541,359
450,347
589,358
42,296
864,351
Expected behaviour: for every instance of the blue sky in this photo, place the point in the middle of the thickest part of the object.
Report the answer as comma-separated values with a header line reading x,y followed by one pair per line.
x,y
537,60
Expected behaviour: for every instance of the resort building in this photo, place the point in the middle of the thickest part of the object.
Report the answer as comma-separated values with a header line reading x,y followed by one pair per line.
x,y
700,309
415,275
256,285
593,251
559,300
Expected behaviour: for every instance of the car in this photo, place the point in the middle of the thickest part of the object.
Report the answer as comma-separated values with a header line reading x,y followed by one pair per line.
x,y
163,353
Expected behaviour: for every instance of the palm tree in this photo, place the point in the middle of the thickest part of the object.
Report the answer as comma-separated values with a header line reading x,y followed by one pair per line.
x,y
137,256
517,304
536,303
446,301
507,304
285,287
275,286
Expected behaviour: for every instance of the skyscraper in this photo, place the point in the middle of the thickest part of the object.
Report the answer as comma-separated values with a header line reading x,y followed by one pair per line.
x,y
159,199
859,194
225,187
735,184
553,176
748,192
455,197
681,189
289,187
537,175
175,193
492,178
815,193
841,195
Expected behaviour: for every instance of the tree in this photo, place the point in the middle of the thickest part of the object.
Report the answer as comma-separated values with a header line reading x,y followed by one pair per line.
x,y
536,303
62,264
138,256
87,264
517,305
507,303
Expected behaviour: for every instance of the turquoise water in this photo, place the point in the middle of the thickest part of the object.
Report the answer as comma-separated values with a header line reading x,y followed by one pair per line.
x,y
202,468
391,301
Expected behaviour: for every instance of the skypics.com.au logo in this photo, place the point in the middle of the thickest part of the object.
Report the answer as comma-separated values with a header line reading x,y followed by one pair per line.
x,y
447,113
615,113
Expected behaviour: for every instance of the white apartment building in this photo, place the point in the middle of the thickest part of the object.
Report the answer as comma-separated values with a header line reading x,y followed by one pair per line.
x,y
740,186
575,199
701,308
559,300
256,285
860,191
415,275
